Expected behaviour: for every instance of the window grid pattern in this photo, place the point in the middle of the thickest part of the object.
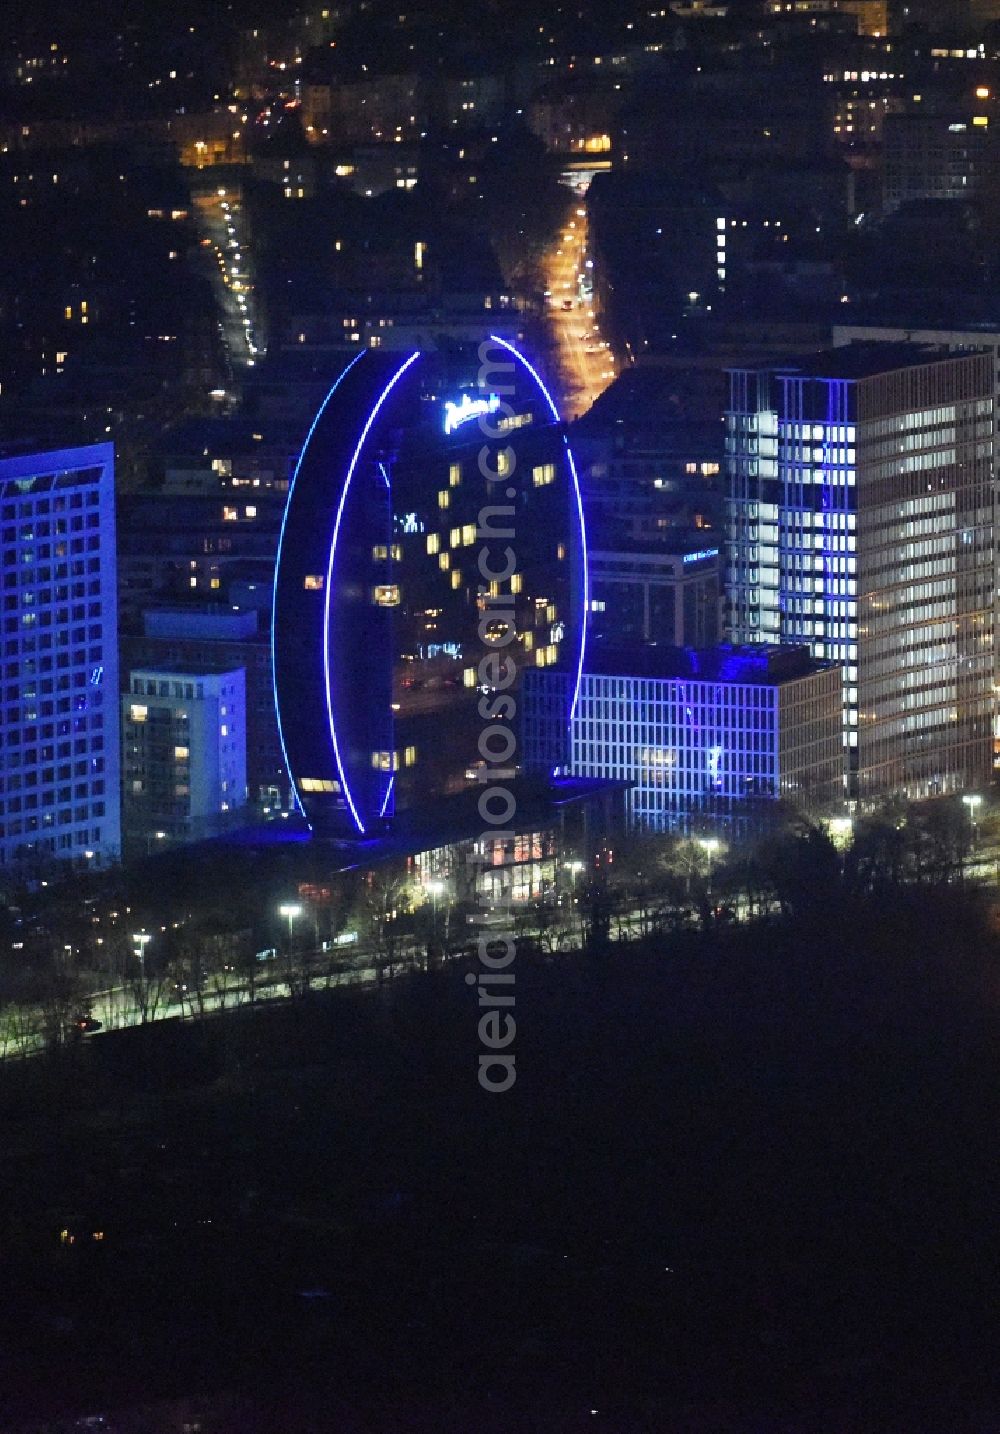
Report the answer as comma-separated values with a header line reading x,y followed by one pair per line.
x,y
59,785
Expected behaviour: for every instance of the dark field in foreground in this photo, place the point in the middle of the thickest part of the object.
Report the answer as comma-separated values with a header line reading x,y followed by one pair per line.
x,y
746,1180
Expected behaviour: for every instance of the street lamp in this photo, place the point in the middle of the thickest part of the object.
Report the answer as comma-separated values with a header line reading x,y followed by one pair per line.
x,y
973,802
140,940
574,868
436,889
291,910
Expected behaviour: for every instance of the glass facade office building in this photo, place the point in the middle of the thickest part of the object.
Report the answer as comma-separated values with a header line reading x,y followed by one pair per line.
x,y
860,522
59,785
695,731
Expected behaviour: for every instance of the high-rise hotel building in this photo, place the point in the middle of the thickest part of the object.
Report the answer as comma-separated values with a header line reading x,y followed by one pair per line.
x,y
860,515
59,776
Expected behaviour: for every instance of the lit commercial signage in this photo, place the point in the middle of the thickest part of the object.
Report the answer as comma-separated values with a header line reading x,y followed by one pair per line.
x,y
455,414
701,555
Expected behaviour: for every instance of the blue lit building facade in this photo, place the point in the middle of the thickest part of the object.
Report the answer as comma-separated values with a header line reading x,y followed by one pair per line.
x,y
710,732
860,513
435,508
59,786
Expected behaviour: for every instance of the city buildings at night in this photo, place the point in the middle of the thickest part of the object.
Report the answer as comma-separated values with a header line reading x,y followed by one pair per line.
x,y
401,568
178,545
59,788
860,523
689,732
655,592
221,637
184,743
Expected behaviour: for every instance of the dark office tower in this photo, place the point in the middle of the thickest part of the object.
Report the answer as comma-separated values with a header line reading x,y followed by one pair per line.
x,y
860,523
59,784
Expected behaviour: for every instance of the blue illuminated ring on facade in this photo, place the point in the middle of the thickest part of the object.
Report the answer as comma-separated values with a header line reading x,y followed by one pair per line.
x,y
277,565
494,338
344,787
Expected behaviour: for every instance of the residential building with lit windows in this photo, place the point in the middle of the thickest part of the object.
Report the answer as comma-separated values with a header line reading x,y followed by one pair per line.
x,y
930,153
220,637
173,546
649,467
59,783
712,732
860,523
434,524
184,757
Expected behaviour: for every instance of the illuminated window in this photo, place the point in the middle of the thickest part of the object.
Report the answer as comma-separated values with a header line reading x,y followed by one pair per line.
x,y
455,537
516,582
433,542
230,515
181,754
386,595
313,582
138,713
380,552
251,512
469,677
318,784
543,474
514,420
215,584
444,561
456,579
410,757
561,552
455,475
505,464
223,729
469,534
444,498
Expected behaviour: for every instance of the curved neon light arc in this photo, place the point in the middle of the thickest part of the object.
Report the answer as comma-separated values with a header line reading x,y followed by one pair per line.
x,y
344,787
494,338
277,569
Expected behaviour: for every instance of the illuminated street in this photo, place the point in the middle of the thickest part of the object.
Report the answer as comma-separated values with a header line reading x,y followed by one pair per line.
x,y
584,359
221,221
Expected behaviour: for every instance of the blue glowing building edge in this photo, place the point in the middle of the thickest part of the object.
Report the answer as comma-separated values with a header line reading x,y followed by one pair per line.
x,y
578,495
376,408
277,569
